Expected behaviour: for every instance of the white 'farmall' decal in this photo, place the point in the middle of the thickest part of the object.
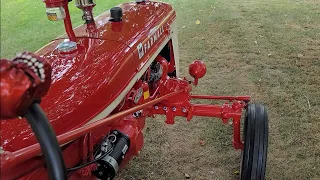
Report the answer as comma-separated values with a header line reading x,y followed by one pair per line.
x,y
154,36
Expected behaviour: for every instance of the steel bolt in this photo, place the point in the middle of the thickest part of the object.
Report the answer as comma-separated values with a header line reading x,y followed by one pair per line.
x,y
156,107
165,108
184,110
174,109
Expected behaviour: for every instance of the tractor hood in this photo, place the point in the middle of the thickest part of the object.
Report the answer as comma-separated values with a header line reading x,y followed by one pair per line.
x,y
87,82
137,21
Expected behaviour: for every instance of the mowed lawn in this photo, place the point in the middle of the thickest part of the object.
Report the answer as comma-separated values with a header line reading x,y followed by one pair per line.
x,y
267,49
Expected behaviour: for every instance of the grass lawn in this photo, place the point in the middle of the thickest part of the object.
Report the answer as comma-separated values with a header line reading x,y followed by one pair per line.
x,y
267,49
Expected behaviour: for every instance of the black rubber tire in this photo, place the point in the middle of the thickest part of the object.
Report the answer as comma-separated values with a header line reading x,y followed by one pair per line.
x,y
255,134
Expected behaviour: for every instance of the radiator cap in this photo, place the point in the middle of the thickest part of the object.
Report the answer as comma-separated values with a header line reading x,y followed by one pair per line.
x,y
116,14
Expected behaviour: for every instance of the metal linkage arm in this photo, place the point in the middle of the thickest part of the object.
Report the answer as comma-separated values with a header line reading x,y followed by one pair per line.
x,y
182,107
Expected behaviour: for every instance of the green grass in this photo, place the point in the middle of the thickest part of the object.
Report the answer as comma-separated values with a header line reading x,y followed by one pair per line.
x,y
267,49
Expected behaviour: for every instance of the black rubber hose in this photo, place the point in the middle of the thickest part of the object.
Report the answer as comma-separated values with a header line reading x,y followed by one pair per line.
x,y
48,142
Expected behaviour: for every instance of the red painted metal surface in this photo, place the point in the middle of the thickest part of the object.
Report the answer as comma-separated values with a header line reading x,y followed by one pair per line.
x,y
189,110
172,63
11,96
24,79
197,69
68,24
55,3
165,67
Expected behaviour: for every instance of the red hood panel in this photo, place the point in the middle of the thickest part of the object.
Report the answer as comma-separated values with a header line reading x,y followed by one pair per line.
x,y
85,83
138,20
79,88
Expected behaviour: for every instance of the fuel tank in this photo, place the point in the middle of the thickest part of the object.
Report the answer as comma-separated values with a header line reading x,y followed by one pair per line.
x,y
90,82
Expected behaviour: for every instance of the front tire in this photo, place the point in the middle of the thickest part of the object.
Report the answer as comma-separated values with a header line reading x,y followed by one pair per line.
x,y
255,134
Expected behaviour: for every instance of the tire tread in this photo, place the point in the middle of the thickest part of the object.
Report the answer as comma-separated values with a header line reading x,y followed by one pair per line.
x,y
255,143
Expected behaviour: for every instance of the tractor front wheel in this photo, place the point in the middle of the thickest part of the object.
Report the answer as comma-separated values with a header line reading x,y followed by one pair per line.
x,y
255,134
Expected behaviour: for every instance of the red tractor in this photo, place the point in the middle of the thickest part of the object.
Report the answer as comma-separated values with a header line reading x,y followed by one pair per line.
x,y
76,108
